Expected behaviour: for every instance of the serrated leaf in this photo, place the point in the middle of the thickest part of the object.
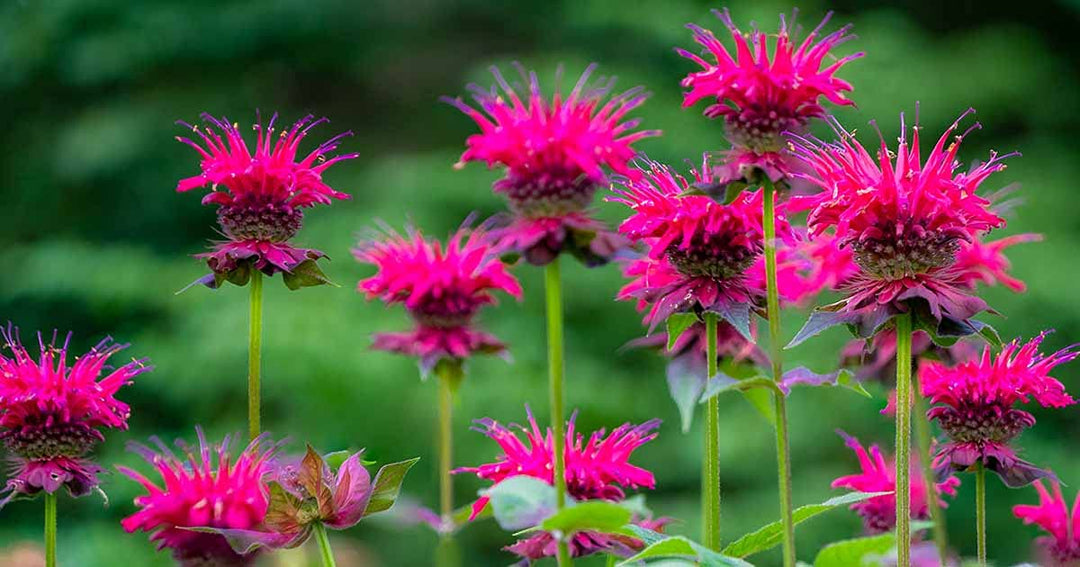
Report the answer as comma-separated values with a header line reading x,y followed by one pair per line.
x,y
686,384
802,376
856,552
737,315
677,324
988,333
770,535
821,319
387,486
597,515
306,274
659,545
521,502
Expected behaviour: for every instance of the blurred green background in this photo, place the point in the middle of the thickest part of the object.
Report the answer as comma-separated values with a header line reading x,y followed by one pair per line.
x,y
95,239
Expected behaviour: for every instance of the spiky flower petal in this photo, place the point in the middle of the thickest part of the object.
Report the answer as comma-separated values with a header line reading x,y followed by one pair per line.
x,y
1060,547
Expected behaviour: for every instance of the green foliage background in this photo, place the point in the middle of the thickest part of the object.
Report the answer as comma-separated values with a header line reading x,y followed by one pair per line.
x,y
96,240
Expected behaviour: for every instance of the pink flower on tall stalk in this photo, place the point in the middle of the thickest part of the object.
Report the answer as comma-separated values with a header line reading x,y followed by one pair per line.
x,y
974,401
205,487
52,414
597,468
759,94
555,153
260,197
442,287
905,218
878,474
1060,547
698,249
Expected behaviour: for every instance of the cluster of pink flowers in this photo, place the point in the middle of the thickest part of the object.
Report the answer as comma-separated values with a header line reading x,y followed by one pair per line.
x,y
597,468
260,196
52,414
555,153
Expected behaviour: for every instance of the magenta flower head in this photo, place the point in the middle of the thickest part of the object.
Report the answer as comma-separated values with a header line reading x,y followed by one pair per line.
x,y
761,96
1060,547
974,401
699,250
442,287
556,153
204,487
597,468
878,474
52,414
979,262
905,218
260,197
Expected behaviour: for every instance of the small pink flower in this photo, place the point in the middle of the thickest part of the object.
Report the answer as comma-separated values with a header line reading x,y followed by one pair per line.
x,y
205,488
973,404
761,96
985,262
904,217
52,414
543,544
555,153
1061,546
878,475
260,194
442,287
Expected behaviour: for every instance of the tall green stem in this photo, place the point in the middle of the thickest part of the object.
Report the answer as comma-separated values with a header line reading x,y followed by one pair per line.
x,y
903,440
556,370
50,529
449,376
772,305
324,545
937,515
980,511
710,506
255,354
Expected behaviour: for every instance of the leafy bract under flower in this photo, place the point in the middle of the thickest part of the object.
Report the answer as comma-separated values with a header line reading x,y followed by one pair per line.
x,y
762,92
879,475
974,404
1060,547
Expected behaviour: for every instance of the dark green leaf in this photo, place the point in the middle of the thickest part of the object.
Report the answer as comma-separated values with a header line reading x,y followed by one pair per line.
x,y
306,274
677,324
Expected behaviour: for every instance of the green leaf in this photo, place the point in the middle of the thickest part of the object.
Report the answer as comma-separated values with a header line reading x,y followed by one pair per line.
x,y
387,486
596,515
306,274
521,502
723,383
863,551
988,333
762,401
686,383
677,324
802,376
659,545
770,535
461,516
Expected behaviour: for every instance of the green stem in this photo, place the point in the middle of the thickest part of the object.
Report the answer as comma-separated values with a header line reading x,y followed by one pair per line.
x,y
710,506
324,545
50,529
449,375
903,440
980,511
772,306
937,515
556,371
255,354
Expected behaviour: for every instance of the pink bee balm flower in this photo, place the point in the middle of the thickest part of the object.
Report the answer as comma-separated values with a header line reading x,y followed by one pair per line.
x,y
52,414
442,287
905,218
759,96
985,262
806,268
261,195
699,249
555,153
543,544
878,475
205,488
974,405
1061,546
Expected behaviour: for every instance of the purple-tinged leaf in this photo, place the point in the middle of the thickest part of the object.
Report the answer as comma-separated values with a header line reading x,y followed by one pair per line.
x,y
352,491
721,383
686,383
802,376
738,315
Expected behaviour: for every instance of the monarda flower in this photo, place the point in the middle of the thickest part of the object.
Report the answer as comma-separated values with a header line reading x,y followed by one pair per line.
x,y
442,287
698,249
974,401
805,268
52,415
597,468
1061,546
260,197
205,488
905,219
761,92
878,475
555,153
